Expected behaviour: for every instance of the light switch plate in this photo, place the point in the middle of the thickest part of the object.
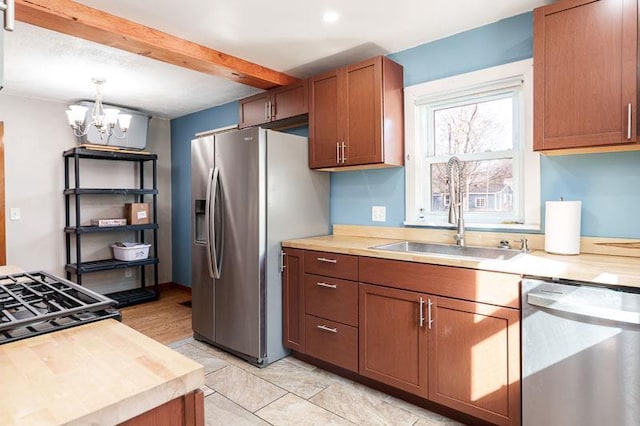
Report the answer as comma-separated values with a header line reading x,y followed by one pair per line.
x,y
14,213
378,213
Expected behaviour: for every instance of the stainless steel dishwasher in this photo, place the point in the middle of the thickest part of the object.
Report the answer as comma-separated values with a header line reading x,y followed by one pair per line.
x,y
580,354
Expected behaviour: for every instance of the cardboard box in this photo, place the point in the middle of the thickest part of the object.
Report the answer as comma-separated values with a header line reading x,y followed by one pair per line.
x,y
137,213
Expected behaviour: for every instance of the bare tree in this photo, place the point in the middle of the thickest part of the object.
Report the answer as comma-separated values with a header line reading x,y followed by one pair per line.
x,y
469,129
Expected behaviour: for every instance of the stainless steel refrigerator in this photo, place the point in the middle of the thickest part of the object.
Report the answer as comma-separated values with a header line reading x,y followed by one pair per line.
x,y
250,189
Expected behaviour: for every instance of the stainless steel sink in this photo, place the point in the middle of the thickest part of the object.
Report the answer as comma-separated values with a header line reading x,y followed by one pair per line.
x,y
450,250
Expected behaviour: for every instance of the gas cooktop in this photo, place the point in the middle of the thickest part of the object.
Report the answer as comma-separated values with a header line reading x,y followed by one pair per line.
x,y
34,303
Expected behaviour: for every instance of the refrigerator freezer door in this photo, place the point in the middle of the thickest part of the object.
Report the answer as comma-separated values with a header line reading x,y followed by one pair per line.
x,y
239,293
202,285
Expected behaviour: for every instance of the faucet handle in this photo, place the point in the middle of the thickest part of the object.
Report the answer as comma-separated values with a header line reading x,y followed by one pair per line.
x,y
524,245
504,244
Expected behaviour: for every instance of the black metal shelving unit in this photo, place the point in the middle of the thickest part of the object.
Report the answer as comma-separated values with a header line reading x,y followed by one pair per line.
x,y
72,159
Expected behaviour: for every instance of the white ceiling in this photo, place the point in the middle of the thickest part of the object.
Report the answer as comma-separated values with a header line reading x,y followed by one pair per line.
x,y
286,35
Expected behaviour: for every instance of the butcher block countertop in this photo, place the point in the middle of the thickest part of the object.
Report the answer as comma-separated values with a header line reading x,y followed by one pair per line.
x,y
611,261
99,373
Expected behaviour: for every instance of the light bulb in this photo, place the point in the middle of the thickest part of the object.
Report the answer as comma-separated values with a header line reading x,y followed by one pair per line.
x,y
124,120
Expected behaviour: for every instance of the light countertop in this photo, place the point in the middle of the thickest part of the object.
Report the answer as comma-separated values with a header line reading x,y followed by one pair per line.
x,y
595,268
98,373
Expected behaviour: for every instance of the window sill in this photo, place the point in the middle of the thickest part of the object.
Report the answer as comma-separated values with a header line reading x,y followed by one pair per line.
x,y
534,228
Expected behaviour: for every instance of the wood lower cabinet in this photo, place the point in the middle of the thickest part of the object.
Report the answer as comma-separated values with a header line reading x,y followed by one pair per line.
x,y
393,342
585,74
474,361
187,410
445,334
293,299
274,105
320,305
356,116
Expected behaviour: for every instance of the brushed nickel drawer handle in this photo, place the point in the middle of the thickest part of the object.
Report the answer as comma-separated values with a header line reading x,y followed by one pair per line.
x,y
326,285
325,328
324,259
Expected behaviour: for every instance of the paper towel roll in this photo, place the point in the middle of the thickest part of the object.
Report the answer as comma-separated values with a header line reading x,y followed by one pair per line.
x,y
562,227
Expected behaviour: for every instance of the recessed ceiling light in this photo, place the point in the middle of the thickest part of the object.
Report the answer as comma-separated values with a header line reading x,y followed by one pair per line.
x,y
331,16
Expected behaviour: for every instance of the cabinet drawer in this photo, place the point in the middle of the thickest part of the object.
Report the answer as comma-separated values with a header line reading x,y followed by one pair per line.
x,y
332,342
495,288
331,264
331,298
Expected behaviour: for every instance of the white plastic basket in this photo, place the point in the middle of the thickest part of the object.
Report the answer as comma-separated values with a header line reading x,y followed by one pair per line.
x,y
131,252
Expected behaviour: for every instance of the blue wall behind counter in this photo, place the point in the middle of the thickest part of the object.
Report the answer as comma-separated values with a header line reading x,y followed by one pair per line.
x,y
605,183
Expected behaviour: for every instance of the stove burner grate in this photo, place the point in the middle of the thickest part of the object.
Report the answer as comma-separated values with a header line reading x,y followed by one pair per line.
x,y
37,302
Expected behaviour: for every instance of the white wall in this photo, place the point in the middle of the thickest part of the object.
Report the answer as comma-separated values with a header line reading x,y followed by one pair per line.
x,y
36,134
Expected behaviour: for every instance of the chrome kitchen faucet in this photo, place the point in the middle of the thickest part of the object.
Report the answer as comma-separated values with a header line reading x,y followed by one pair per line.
x,y
456,207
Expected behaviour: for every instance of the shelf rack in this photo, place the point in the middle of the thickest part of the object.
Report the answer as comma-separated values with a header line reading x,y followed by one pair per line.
x,y
72,159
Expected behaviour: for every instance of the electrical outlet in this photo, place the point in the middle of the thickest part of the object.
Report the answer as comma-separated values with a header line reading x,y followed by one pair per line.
x,y
378,213
128,273
15,213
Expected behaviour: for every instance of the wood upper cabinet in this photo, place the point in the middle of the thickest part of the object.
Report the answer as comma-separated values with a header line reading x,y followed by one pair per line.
x,y
393,338
585,74
276,104
474,359
356,116
293,299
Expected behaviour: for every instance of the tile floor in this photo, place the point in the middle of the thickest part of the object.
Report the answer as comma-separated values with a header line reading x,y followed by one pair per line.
x,y
291,392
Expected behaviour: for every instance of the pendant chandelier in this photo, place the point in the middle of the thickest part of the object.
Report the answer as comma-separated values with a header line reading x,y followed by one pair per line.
x,y
103,119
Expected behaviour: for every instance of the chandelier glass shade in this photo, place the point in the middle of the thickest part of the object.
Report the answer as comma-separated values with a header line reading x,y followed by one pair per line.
x,y
103,119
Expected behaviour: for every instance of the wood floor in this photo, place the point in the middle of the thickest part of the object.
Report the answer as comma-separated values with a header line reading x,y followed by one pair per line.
x,y
166,320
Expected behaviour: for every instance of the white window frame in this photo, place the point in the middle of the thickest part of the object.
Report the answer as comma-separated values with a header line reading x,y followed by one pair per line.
x,y
416,160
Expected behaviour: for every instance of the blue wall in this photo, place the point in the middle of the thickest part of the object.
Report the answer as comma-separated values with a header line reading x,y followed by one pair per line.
x,y
605,183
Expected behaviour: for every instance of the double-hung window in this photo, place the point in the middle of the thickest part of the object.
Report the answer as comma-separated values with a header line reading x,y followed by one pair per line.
x,y
485,119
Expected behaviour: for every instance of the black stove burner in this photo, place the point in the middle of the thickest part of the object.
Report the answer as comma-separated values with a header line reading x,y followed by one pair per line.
x,y
36,303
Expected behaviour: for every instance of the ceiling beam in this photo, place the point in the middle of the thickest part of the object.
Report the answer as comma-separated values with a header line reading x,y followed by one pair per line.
x,y
78,20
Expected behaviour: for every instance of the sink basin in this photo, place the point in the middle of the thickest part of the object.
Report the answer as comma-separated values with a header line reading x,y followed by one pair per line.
x,y
450,250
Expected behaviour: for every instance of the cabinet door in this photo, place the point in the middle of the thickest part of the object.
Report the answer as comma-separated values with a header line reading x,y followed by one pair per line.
x,y
474,359
363,112
254,110
393,344
293,299
324,120
289,101
585,65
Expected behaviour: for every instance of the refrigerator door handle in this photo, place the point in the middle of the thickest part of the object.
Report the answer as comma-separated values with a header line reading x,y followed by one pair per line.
x,y
215,236
207,222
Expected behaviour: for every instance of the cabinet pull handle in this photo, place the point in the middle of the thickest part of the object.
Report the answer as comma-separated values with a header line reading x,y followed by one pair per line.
x,y
325,285
629,121
429,318
324,259
272,108
337,152
9,14
282,265
421,309
325,328
344,158
266,110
